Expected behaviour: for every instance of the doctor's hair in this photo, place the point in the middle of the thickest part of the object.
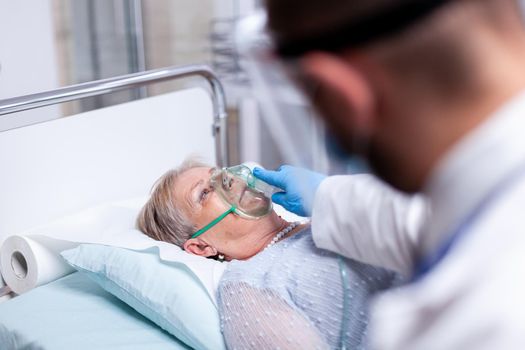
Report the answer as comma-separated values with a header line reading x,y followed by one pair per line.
x,y
435,48
161,218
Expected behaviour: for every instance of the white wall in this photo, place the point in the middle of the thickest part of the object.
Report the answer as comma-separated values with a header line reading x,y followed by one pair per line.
x,y
27,56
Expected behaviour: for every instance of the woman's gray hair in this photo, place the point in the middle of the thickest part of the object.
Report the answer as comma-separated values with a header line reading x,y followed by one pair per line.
x,y
162,218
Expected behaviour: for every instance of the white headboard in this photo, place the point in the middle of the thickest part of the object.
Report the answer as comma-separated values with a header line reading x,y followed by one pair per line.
x,y
57,168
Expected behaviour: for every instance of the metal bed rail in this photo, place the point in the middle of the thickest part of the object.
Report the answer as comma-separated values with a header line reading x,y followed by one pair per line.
x,y
129,81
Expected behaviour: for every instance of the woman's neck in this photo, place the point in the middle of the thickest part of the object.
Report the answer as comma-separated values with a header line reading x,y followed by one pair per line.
x,y
262,232
279,224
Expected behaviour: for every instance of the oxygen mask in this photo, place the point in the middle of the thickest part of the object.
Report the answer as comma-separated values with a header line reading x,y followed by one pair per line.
x,y
239,188
245,195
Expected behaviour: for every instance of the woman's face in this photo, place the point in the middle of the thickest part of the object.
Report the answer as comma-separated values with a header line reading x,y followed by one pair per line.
x,y
202,205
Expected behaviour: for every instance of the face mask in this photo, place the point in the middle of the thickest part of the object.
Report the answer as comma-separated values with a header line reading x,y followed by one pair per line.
x,y
246,195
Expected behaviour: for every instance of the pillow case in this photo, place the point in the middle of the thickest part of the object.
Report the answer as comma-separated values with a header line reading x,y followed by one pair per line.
x,y
113,224
165,292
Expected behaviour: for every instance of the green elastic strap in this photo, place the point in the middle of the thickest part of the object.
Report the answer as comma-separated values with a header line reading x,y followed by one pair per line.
x,y
214,222
346,289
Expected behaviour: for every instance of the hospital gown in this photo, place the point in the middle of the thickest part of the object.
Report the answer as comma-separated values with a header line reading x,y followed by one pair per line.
x,y
290,296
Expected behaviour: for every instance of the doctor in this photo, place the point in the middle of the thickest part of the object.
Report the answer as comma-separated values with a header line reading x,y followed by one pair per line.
x,y
433,91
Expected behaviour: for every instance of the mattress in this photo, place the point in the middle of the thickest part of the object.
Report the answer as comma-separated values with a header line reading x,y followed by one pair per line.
x,y
75,313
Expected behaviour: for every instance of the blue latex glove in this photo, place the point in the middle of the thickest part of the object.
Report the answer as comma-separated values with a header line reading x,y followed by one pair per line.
x,y
299,186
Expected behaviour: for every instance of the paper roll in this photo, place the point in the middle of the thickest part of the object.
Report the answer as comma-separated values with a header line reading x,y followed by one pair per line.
x,y
27,262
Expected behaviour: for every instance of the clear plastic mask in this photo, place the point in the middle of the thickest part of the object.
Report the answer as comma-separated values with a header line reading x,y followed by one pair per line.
x,y
238,187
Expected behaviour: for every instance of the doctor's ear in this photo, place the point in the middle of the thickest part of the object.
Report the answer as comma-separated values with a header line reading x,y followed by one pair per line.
x,y
354,93
198,247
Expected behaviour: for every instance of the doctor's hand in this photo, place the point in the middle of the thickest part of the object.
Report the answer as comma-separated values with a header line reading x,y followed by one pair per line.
x,y
299,186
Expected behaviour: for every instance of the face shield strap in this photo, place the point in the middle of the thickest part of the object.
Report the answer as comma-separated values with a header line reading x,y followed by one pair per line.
x,y
369,29
214,222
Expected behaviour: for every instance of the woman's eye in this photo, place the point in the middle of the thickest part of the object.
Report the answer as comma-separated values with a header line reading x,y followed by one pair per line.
x,y
204,194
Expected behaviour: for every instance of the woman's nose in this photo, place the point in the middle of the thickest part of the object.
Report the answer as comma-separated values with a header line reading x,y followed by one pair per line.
x,y
227,182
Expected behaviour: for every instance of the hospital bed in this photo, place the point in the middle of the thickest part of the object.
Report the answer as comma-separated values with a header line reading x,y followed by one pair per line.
x,y
53,169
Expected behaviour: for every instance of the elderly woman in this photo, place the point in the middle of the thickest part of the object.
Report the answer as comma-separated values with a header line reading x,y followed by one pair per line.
x,y
279,291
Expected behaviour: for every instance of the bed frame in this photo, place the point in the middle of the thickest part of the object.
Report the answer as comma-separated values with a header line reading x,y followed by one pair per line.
x,y
59,167
129,81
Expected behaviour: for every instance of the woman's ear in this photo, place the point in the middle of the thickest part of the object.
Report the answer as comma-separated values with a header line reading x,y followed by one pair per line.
x,y
198,247
337,74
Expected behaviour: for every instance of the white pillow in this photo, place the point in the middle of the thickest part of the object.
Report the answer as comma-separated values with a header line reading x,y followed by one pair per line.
x,y
164,292
113,225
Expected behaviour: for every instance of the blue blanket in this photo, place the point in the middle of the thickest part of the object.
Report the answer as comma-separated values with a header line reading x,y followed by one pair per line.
x,y
75,313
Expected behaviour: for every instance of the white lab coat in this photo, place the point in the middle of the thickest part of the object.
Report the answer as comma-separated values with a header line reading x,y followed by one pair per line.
x,y
475,297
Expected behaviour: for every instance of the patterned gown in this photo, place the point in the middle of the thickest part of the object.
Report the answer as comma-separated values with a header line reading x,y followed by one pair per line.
x,y
290,296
